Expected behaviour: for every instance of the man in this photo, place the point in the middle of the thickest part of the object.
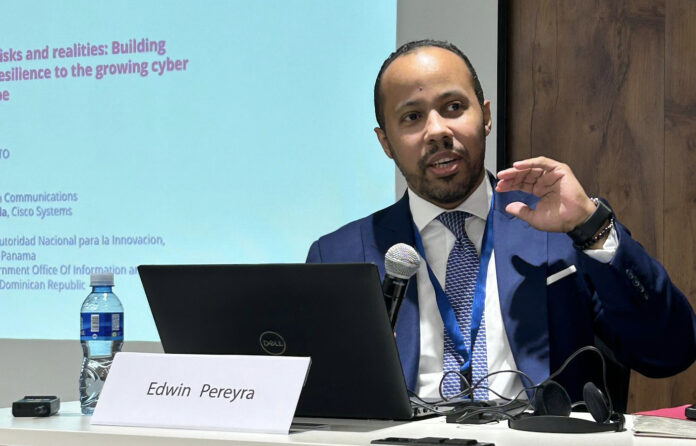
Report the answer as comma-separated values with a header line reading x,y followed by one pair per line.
x,y
499,267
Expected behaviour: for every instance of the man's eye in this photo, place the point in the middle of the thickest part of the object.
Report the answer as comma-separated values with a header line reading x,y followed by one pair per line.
x,y
409,117
454,106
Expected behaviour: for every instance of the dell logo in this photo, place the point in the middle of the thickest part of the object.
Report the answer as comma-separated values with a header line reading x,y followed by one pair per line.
x,y
272,343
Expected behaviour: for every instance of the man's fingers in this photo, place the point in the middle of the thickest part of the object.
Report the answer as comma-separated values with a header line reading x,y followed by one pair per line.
x,y
533,175
504,186
509,173
520,210
508,185
539,162
550,178
534,182
515,176
514,184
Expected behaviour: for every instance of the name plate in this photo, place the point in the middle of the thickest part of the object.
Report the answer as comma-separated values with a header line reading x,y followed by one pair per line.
x,y
216,392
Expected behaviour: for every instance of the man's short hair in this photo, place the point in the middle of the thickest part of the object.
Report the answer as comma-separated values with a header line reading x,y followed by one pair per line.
x,y
412,46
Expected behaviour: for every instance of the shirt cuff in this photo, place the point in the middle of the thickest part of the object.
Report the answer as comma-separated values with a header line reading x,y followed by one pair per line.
x,y
606,252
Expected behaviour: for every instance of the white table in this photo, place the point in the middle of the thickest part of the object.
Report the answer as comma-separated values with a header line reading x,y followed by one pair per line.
x,y
70,428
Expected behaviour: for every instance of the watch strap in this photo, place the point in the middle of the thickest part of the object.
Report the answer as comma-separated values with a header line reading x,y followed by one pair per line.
x,y
584,232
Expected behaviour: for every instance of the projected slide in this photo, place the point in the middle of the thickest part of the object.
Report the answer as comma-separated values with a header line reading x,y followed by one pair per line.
x,y
187,132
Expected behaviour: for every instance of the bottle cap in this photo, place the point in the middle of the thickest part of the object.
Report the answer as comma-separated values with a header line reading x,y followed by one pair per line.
x,y
101,279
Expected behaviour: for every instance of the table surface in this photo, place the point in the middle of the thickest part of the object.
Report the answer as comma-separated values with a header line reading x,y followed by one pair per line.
x,y
71,428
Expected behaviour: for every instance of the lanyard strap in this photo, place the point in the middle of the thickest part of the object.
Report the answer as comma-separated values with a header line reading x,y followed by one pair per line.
x,y
443,302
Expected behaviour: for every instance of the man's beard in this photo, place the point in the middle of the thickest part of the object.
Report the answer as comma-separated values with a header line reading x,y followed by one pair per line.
x,y
433,190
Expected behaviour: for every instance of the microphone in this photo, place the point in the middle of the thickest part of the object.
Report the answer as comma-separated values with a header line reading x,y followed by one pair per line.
x,y
401,262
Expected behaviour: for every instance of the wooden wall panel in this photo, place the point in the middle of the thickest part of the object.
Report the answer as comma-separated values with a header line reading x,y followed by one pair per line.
x,y
680,164
607,87
520,88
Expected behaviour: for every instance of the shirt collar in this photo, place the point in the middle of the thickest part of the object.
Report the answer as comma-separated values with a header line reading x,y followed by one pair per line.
x,y
477,204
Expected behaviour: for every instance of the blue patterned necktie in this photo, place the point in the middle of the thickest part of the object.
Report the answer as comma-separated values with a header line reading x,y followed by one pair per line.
x,y
460,283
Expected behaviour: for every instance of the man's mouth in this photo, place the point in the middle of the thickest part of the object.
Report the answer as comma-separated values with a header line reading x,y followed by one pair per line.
x,y
443,162
445,165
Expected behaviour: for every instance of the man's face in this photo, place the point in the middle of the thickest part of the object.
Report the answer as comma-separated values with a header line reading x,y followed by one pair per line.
x,y
435,127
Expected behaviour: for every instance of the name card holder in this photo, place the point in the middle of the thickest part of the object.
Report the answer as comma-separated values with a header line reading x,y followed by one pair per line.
x,y
212,392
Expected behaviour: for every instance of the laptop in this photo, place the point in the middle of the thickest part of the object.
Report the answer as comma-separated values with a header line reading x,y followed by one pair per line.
x,y
333,313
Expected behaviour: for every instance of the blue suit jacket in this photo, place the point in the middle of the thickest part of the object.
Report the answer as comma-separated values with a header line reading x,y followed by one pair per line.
x,y
629,303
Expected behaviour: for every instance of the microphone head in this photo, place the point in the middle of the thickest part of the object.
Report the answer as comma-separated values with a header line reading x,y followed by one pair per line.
x,y
401,261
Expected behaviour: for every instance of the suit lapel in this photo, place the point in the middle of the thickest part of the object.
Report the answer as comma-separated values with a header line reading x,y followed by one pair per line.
x,y
521,268
389,227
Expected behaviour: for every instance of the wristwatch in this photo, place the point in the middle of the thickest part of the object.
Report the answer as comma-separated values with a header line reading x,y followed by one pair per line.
x,y
583,234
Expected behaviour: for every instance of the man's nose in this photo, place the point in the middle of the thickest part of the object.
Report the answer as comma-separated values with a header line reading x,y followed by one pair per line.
x,y
436,129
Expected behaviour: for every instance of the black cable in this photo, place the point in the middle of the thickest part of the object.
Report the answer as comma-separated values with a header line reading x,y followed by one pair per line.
x,y
469,389
501,397
500,409
517,372
420,401
484,411
434,405
468,412
442,384
431,407
574,355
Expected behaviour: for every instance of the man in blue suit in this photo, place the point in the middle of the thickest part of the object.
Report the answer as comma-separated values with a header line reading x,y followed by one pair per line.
x,y
557,271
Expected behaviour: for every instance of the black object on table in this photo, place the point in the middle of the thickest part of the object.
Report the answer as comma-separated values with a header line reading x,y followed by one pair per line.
x,y
429,441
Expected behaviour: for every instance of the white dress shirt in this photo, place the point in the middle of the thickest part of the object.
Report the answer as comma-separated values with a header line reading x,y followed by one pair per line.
x,y
438,242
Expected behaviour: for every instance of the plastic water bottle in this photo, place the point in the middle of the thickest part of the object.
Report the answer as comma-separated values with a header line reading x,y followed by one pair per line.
x,y
101,318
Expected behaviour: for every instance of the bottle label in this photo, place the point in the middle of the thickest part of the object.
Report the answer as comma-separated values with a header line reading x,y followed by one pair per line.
x,y
101,327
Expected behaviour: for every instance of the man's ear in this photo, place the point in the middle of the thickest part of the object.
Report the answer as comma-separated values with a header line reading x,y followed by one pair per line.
x,y
487,122
383,141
